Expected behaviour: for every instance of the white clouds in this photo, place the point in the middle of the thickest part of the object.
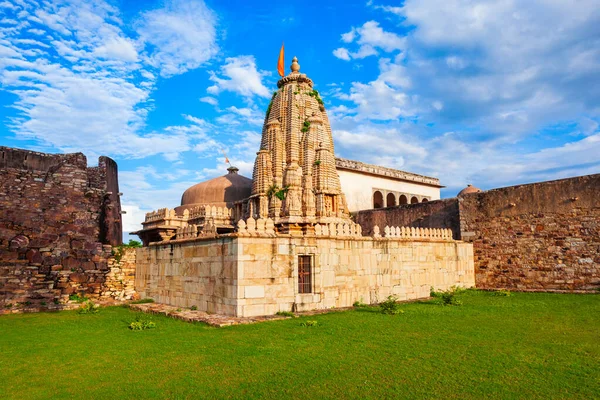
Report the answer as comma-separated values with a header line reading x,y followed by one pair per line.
x,y
181,36
377,100
342,53
478,79
243,78
86,85
349,36
209,100
118,48
369,37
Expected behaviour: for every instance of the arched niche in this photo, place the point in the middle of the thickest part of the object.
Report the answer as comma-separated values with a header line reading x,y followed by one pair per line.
x,y
390,200
377,199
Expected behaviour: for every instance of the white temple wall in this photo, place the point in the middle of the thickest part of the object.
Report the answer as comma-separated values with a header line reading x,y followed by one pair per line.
x,y
252,276
359,187
201,273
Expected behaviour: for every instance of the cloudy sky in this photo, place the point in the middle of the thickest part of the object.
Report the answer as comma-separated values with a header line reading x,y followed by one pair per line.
x,y
492,93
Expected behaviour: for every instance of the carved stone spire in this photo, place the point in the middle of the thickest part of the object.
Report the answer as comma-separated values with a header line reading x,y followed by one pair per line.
x,y
299,178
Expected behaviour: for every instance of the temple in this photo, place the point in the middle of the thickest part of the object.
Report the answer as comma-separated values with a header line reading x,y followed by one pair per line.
x,y
285,240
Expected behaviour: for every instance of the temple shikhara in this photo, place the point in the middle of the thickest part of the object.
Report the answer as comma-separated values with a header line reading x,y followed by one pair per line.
x,y
284,240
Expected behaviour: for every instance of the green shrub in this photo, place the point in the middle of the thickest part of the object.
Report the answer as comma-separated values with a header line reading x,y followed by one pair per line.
x,y
141,325
308,324
78,298
286,314
359,304
502,292
142,301
88,307
448,297
194,308
390,306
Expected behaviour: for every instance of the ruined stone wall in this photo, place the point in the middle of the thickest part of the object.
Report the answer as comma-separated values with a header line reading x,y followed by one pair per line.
x,y
439,214
541,236
120,279
58,220
251,276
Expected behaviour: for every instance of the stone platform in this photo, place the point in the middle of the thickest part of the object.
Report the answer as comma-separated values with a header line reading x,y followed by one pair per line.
x,y
216,320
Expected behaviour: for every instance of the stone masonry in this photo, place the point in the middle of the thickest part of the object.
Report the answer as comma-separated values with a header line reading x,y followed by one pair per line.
x,y
540,236
59,219
254,273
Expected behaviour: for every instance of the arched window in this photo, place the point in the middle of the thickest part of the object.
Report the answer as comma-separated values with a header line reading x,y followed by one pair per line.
x,y
414,200
403,200
390,200
377,199
424,200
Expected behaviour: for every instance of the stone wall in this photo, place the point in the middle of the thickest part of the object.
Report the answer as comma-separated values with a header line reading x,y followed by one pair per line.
x,y
201,273
440,214
58,220
250,276
540,236
120,279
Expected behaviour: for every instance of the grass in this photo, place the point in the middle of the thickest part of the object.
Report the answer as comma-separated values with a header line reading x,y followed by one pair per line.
x,y
528,345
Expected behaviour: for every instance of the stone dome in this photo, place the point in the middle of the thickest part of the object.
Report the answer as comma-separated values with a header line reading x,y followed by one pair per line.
x,y
219,192
469,189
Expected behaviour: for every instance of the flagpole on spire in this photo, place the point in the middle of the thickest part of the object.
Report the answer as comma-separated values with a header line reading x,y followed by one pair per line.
x,y
226,159
280,63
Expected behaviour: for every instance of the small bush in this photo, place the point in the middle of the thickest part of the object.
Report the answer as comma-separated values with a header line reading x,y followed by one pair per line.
x,y
141,325
359,304
448,297
286,314
308,324
78,298
88,308
194,308
502,293
390,306
142,301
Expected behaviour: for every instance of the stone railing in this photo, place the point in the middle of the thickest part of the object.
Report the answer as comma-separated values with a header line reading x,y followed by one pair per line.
x,y
193,231
165,216
338,230
258,227
413,233
210,211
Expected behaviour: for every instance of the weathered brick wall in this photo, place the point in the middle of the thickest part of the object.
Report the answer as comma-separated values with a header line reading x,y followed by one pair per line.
x,y
541,236
58,220
440,214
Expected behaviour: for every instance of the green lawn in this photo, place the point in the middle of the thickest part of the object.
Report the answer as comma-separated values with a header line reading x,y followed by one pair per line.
x,y
532,345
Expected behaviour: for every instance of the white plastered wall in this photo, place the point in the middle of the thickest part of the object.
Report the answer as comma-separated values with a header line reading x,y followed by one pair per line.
x,y
359,189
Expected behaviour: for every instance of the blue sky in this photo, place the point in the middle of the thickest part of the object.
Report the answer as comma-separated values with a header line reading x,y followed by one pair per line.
x,y
491,93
